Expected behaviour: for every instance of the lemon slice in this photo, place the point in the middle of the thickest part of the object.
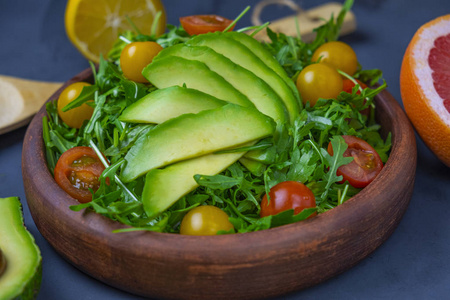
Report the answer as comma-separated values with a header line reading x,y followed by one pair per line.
x,y
93,26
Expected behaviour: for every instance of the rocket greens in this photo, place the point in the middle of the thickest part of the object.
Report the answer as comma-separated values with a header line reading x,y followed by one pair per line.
x,y
296,152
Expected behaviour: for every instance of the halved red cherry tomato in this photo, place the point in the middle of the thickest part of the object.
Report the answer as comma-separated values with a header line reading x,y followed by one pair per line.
x,y
348,86
366,164
78,170
287,195
200,24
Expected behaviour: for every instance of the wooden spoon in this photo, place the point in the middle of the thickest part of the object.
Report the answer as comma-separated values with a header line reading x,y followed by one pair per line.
x,y
303,20
20,99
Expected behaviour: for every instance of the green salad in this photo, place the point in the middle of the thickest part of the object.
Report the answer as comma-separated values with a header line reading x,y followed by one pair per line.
x,y
219,133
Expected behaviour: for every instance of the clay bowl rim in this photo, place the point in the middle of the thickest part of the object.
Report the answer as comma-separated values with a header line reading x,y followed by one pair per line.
x,y
238,249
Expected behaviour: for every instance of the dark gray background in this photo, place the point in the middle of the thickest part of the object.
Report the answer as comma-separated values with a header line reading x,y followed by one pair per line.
x,y
415,261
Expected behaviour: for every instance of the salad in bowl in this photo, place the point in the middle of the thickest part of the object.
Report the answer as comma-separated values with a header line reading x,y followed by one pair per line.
x,y
209,131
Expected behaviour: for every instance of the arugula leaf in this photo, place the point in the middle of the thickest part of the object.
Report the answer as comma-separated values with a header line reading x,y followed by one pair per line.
x,y
87,93
334,162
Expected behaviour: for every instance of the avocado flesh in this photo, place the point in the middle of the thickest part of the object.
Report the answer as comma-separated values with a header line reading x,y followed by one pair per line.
x,y
163,187
21,278
194,135
173,70
257,91
164,104
241,55
260,51
167,104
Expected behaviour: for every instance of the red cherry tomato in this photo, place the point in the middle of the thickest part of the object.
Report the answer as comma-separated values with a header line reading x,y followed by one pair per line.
x,y
78,170
200,24
348,86
366,164
287,195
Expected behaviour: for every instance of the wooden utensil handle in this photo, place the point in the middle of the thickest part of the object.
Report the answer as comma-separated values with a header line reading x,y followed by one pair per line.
x,y
304,20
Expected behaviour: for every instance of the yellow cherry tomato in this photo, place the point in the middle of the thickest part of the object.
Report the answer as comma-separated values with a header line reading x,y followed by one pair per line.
x,y
135,57
205,220
75,116
337,54
319,81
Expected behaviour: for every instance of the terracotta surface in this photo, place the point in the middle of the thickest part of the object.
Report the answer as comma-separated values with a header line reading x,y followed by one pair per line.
x,y
240,266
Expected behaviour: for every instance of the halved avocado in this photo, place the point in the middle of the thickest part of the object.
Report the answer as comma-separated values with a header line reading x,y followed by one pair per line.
x,y
21,277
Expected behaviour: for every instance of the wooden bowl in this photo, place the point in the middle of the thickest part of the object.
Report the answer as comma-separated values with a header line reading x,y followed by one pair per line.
x,y
237,266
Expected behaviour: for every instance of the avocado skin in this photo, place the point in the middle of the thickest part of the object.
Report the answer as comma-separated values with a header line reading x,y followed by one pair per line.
x,y
28,281
194,135
254,88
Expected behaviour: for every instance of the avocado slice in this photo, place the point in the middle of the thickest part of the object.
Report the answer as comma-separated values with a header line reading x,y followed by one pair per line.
x,y
257,91
173,70
259,50
241,55
193,135
163,187
21,278
164,104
